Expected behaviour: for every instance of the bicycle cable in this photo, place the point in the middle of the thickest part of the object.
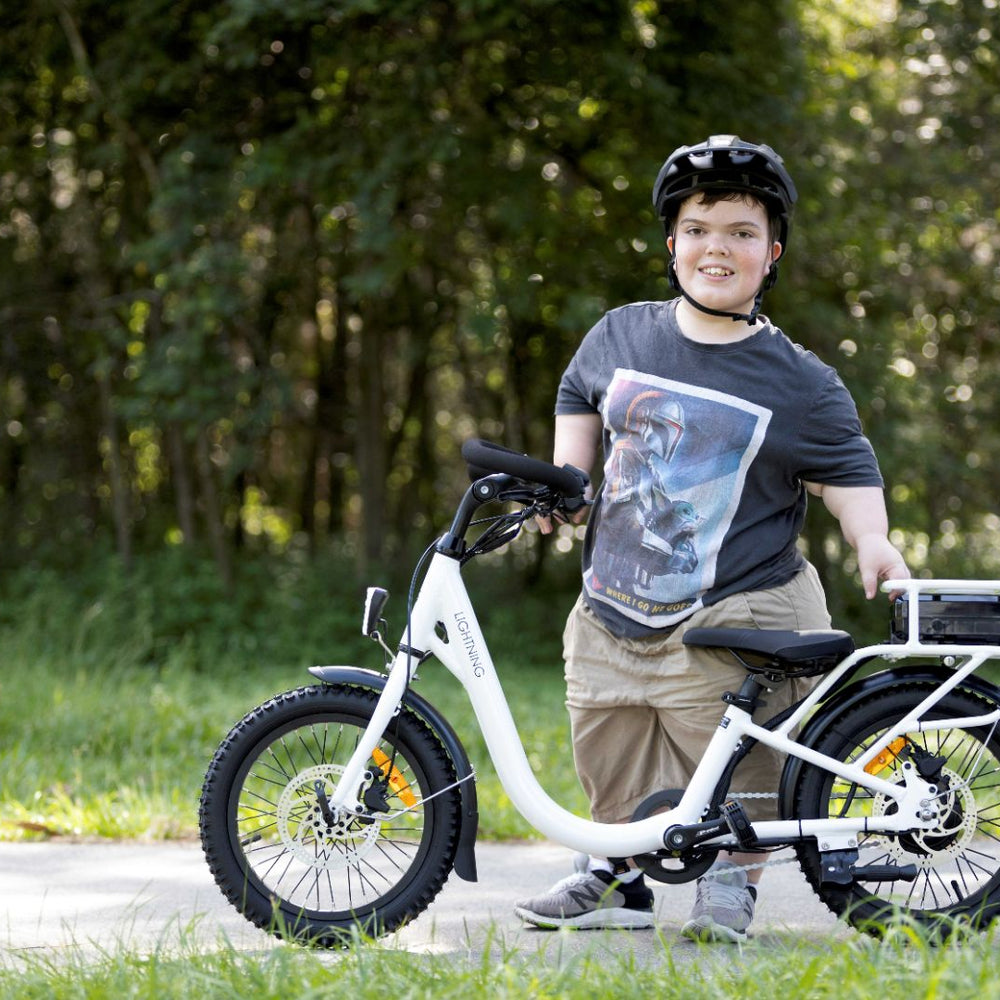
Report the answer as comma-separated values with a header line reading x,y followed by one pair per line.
x,y
507,527
390,765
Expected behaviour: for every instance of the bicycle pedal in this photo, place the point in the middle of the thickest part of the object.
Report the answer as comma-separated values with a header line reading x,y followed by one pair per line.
x,y
739,824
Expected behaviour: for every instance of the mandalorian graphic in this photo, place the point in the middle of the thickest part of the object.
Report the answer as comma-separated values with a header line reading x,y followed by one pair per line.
x,y
659,529
677,457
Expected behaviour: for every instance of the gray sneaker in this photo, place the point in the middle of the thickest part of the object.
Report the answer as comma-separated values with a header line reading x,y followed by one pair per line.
x,y
723,905
587,900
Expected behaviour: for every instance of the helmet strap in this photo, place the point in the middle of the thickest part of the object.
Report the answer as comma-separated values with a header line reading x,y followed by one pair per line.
x,y
750,318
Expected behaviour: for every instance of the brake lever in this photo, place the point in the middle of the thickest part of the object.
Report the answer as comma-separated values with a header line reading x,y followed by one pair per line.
x,y
574,504
524,495
571,505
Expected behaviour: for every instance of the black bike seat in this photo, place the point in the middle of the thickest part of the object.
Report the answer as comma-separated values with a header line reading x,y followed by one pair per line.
x,y
816,649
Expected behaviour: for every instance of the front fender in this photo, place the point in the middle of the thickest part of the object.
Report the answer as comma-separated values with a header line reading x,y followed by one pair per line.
x,y
465,854
848,696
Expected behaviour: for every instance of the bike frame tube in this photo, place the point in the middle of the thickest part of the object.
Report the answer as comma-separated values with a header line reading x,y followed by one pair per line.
x,y
974,657
461,647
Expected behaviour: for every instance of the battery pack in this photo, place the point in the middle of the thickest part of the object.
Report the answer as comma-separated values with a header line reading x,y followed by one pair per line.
x,y
972,619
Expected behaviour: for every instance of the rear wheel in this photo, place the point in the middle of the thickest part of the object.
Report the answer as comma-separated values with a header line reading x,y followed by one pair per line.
x,y
281,856
958,862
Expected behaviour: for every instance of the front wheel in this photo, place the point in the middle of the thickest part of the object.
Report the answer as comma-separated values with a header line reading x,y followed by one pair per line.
x,y
280,855
958,862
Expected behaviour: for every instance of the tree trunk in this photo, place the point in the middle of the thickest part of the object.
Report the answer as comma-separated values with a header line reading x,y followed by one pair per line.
x,y
181,477
213,513
371,445
120,505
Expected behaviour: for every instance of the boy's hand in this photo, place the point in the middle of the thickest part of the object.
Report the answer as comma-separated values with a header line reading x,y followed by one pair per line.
x,y
546,527
861,513
878,560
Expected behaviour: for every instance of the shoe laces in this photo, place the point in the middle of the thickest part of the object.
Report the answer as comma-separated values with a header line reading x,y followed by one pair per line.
x,y
577,878
724,895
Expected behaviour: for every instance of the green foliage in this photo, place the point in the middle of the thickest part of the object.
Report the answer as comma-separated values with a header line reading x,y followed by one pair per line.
x,y
172,611
264,265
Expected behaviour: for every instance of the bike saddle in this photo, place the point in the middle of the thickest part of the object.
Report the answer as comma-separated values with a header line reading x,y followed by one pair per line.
x,y
799,654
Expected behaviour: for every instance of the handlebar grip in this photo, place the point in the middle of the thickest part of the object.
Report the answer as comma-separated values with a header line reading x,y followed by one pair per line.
x,y
485,458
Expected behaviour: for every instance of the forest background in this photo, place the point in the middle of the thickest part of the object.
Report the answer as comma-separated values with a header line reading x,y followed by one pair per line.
x,y
264,265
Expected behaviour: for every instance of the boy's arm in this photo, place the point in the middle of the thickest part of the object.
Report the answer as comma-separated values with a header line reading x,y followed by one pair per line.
x,y
865,525
578,436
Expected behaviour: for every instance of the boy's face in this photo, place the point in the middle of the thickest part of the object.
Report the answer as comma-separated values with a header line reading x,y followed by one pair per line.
x,y
722,251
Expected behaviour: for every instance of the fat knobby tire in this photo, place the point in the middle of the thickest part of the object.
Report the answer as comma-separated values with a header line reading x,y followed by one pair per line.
x,y
958,880
268,841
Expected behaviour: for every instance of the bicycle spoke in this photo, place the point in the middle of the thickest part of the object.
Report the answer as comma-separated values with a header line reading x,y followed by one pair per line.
x,y
289,845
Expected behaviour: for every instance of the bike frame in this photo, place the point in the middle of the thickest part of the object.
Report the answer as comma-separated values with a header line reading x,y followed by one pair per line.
x,y
444,601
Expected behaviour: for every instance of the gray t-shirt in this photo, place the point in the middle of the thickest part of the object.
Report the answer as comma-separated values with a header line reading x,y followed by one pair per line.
x,y
706,450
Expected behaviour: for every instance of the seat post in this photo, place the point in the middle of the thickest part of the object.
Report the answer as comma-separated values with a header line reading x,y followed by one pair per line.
x,y
749,695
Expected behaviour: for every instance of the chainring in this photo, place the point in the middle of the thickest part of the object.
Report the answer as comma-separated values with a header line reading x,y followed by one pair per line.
x,y
668,866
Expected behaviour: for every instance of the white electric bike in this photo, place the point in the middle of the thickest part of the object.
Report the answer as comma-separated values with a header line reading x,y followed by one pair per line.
x,y
344,805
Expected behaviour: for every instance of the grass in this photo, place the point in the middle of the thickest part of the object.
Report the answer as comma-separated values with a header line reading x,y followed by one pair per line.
x,y
121,752
111,710
114,694
853,969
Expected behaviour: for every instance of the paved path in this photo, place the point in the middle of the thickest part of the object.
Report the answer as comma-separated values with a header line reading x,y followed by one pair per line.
x,y
100,897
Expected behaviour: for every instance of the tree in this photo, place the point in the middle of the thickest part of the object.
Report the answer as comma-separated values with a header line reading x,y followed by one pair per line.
x,y
264,265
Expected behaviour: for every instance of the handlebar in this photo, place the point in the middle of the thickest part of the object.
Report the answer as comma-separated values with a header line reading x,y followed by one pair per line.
x,y
485,459
499,473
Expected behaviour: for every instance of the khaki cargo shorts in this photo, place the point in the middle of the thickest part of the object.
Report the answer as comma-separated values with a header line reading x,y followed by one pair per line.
x,y
642,711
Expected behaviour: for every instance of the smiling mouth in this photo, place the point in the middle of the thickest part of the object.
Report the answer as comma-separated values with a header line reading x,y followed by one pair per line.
x,y
715,272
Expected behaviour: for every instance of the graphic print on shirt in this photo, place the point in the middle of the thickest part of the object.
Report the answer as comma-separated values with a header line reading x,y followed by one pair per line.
x,y
673,480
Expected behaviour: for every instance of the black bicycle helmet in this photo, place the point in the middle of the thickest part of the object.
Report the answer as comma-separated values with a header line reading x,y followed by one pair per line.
x,y
726,163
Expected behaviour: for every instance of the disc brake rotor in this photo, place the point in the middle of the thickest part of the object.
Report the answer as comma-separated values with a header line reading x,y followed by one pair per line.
x,y
306,833
954,832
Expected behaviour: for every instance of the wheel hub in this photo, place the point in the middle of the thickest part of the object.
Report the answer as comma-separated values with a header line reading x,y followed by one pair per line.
x,y
332,841
955,828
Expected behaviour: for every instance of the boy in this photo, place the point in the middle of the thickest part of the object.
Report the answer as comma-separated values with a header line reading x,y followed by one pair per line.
x,y
714,428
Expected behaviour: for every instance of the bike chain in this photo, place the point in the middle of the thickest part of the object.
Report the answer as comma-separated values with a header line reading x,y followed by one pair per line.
x,y
760,864
749,868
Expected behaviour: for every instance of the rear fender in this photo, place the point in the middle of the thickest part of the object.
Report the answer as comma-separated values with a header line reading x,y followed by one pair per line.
x,y
465,854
